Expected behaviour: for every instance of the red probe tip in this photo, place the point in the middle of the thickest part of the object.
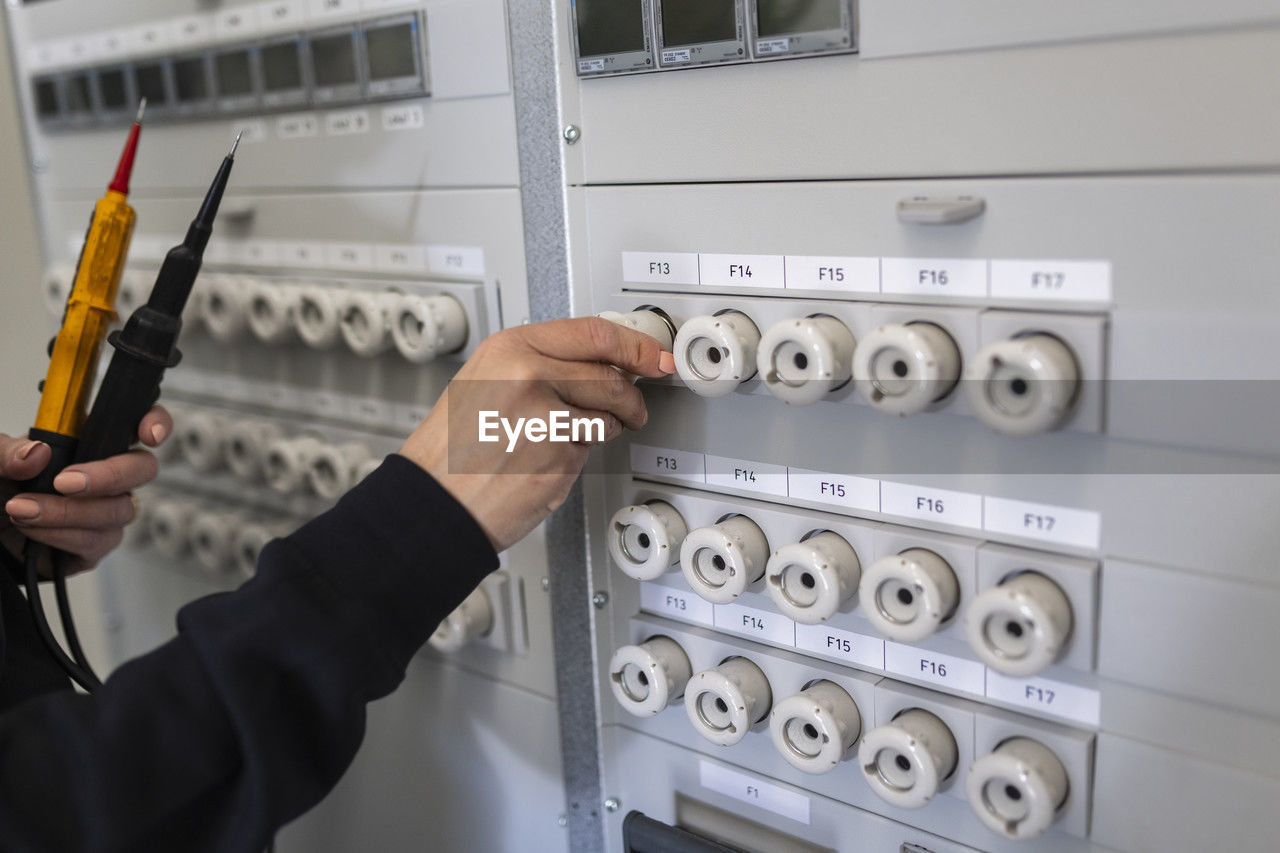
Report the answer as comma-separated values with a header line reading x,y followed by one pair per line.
x,y
120,183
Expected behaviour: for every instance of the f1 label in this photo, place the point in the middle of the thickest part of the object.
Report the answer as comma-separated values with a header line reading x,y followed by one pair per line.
x,y
674,464
753,791
934,276
848,275
1080,281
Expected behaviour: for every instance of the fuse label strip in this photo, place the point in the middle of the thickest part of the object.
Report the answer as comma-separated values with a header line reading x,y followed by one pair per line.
x,y
842,493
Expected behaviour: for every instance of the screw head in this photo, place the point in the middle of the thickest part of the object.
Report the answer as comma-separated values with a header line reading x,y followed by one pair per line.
x,y
545,583
572,133
563,820
600,599
612,804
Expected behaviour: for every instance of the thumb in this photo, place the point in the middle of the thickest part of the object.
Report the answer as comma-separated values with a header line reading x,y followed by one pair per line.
x,y
21,458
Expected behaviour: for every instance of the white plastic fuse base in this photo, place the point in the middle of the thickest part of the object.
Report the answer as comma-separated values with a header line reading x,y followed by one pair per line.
x,y
645,679
721,561
645,540
905,369
424,327
716,353
803,360
1019,790
814,729
725,702
908,596
809,581
1024,386
906,760
1019,626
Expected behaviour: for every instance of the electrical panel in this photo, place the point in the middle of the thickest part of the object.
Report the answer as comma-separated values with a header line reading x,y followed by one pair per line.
x,y
954,529
945,534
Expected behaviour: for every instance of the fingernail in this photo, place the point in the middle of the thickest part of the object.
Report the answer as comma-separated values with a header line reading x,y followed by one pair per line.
x,y
158,432
667,363
71,482
25,450
22,509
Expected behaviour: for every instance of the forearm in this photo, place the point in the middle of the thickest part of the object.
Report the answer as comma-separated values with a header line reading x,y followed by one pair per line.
x,y
253,712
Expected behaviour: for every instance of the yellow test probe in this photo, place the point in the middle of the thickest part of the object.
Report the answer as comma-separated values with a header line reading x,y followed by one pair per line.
x,y
73,358
73,367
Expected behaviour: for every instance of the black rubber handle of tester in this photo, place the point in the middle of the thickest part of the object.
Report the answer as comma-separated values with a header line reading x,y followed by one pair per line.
x,y
64,453
147,345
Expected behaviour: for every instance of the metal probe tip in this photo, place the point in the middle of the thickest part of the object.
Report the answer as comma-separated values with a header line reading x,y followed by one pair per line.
x,y
142,108
235,145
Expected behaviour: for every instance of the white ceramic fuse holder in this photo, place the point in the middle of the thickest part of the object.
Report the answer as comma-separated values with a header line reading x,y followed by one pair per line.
x,y
907,760
213,535
56,288
135,290
1021,625
810,580
272,307
725,702
908,596
645,540
1019,789
202,435
815,729
719,562
1023,386
470,620
316,317
331,471
424,327
287,462
645,679
169,525
716,353
247,442
225,307
803,360
903,369
363,321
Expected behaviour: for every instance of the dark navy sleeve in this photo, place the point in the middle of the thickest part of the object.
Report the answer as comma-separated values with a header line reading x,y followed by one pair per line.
x,y
253,712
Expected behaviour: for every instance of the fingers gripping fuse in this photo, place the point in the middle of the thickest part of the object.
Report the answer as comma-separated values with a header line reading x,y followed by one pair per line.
x,y
716,353
645,540
725,702
802,361
722,560
645,679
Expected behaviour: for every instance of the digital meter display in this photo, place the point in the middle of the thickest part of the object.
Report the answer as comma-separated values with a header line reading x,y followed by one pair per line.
x,y
190,80
609,26
46,98
112,89
785,17
150,79
235,75
698,21
334,60
281,67
392,52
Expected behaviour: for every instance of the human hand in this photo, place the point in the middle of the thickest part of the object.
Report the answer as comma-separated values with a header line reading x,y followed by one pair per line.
x,y
87,517
529,372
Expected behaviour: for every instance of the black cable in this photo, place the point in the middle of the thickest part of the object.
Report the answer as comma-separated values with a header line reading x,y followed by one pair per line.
x,y
65,615
82,676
